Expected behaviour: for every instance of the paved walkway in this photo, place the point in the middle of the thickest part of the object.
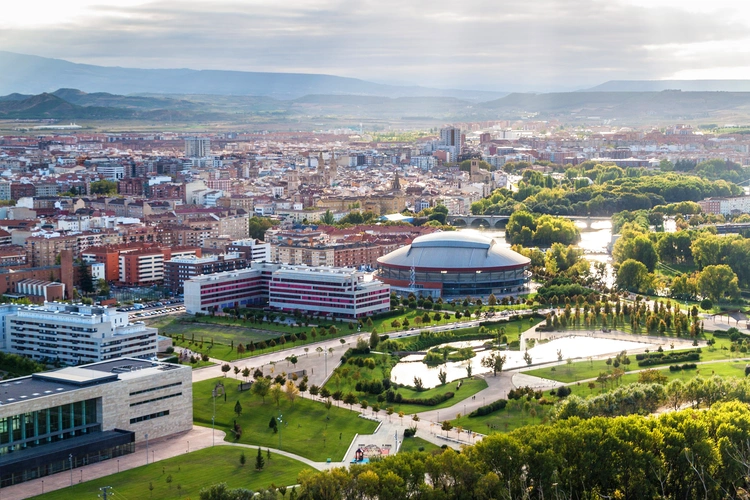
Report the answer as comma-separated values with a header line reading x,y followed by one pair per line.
x,y
158,449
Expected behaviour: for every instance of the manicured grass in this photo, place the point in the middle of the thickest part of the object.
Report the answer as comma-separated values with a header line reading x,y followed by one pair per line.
x,y
219,337
516,414
345,379
415,443
192,472
469,387
580,370
309,430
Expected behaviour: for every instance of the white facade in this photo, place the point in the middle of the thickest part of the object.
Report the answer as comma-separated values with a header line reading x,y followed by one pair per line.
x,y
256,249
111,172
75,333
97,271
341,292
327,291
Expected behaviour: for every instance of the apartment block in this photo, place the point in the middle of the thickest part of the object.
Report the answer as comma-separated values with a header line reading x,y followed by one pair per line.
x,y
74,334
326,291
178,270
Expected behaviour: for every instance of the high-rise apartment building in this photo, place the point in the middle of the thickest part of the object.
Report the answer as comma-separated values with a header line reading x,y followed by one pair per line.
x,y
450,139
197,147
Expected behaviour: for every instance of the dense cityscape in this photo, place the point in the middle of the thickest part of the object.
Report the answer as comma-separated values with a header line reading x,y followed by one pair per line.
x,y
233,267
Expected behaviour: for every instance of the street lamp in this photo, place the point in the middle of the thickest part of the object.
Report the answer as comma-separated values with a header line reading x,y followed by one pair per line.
x,y
146,448
70,462
280,422
188,450
118,466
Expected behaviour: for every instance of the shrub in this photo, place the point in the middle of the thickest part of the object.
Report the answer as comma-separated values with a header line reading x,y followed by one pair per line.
x,y
498,405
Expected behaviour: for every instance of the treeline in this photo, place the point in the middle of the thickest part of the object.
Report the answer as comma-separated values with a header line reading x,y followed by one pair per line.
x,y
601,190
722,261
684,454
527,229
18,366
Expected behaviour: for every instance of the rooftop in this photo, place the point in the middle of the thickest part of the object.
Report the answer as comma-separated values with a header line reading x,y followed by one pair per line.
x,y
73,378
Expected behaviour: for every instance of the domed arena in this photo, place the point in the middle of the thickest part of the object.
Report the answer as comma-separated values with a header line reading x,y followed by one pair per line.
x,y
454,265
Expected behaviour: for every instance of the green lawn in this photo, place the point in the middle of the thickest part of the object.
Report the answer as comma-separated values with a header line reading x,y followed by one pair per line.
x,y
415,443
189,473
345,379
219,337
308,430
469,387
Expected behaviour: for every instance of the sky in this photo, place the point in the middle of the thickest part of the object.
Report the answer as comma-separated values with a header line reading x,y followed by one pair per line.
x,y
478,44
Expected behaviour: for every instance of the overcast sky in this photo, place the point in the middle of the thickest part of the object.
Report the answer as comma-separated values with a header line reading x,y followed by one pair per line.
x,y
487,44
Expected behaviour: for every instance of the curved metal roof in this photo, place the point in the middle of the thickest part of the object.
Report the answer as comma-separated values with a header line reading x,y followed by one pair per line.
x,y
454,250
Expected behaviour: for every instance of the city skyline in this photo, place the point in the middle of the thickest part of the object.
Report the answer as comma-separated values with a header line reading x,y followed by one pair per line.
x,y
540,46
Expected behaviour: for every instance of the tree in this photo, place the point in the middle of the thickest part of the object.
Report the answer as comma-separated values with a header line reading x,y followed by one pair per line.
x,y
85,282
258,227
103,288
718,282
443,377
293,360
238,408
104,187
633,276
276,392
706,304
350,399
242,458
260,462
225,368
273,425
327,218
527,357
261,387
374,339
291,391
494,362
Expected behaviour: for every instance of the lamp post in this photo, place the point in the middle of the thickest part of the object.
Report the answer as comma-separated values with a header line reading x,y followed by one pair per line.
x,y
218,390
188,449
118,466
42,486
70,462
280,422
147,449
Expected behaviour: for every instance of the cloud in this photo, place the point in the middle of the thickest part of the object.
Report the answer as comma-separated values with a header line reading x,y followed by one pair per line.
x,y
484,43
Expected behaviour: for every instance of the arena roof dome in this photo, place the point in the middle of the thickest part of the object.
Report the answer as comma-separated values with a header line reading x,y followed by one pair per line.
x,y
453,251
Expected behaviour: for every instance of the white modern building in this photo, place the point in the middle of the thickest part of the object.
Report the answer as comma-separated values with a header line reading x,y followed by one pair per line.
x,y
341,292
326,291
54,421
74,333
252,249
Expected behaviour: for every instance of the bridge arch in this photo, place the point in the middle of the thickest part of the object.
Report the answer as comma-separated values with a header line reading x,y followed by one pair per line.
x,y
480,222
459,222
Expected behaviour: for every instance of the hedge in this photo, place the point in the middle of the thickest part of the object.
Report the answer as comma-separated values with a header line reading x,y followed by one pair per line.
x,y
686,366
490,408
433,401
691,356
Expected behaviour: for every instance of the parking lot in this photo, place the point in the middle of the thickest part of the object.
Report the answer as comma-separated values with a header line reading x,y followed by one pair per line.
x,y
160,308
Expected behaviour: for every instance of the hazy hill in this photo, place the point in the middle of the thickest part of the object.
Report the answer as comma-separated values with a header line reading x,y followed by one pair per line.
x,y
684,85
632,106
34,75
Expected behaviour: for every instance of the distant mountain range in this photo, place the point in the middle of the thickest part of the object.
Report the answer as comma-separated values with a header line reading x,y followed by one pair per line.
x,y
567,107
35,75
684,85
